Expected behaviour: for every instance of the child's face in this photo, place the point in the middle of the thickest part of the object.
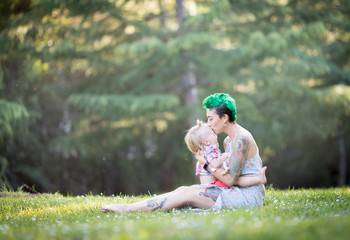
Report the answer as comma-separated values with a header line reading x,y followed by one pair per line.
x,y
209,136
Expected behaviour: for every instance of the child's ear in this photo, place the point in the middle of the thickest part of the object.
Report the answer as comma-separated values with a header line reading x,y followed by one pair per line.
x,y
206,142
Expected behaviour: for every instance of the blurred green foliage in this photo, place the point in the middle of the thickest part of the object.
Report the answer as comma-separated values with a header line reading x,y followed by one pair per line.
x,y
92,96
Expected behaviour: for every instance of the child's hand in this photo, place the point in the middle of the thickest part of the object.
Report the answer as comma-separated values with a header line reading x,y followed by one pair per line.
x,y
200,157
220,160
224,157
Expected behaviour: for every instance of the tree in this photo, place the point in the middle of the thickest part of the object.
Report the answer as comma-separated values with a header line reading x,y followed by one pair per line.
x,y
102,91
15,96
284,61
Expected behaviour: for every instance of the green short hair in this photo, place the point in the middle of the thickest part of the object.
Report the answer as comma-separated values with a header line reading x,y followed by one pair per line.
x,y
219,100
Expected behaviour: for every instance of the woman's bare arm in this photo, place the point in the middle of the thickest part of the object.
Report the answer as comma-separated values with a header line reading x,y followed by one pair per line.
x,y
235,162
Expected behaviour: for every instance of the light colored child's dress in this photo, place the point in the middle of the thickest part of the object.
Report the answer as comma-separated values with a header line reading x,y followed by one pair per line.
x,y
210,152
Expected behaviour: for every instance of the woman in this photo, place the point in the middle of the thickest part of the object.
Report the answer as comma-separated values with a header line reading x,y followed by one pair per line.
x,y
244,160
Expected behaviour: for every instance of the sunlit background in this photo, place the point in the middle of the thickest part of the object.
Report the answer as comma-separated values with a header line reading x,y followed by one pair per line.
x,y
96,95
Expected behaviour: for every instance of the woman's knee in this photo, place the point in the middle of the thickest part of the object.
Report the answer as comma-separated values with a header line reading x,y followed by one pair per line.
x,y
181,189
186,193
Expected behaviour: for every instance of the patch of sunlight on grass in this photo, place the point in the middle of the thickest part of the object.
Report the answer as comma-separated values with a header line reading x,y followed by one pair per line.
x,y
286,214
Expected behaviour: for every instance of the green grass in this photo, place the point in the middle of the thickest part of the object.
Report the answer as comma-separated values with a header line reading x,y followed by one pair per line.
x,y
289,214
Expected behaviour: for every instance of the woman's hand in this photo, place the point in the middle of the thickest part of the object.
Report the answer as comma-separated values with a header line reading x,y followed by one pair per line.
x,y
200,157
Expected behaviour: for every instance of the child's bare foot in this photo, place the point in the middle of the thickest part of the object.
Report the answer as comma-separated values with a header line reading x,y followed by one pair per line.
x,y
120,208
262,175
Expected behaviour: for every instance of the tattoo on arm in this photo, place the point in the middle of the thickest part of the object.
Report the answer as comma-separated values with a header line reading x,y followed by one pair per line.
x,y
238,156
154,204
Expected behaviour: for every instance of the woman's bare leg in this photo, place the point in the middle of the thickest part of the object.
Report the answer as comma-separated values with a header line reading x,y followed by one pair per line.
x,y
195,197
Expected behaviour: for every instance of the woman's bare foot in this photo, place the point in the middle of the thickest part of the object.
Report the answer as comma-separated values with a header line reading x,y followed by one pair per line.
x,y
120,208
262,175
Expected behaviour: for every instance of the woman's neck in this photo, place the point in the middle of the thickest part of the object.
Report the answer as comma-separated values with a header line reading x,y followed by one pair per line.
x,y
232,130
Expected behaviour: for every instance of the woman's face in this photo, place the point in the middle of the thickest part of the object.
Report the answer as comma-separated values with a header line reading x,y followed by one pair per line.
x,y
214,121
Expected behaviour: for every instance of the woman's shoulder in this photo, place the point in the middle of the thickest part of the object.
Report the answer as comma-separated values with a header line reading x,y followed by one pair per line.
x,y
247,139
245,134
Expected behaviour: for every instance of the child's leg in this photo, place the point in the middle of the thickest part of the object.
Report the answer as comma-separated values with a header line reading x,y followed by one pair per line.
x,y
206,179
254,180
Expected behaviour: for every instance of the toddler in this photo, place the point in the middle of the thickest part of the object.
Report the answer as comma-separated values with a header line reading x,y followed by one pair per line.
x,y
202,137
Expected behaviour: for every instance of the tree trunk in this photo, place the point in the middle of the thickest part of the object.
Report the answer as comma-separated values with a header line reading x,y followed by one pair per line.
x,y
180,12
342,168
187,74
162,15
188,78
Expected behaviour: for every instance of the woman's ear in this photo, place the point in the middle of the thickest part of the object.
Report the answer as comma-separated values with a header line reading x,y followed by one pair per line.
x,y
226,118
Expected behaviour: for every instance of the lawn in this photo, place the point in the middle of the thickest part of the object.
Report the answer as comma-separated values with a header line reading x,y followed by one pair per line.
x,y
286,214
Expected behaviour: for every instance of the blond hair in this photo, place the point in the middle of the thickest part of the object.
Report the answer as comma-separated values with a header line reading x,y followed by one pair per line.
x,y
194,138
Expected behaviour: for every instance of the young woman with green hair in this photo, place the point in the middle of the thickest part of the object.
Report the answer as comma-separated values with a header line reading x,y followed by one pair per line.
x,y
243,160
